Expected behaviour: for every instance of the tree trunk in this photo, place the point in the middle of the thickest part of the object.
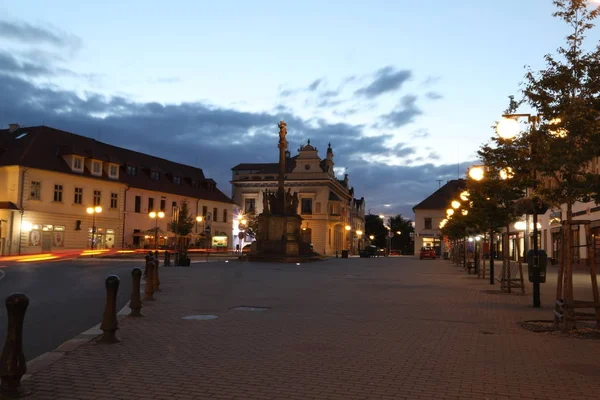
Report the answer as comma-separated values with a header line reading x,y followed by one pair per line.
x,y
569,311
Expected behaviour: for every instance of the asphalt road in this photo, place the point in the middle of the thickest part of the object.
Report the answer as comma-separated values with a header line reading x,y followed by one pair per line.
x,y
66,298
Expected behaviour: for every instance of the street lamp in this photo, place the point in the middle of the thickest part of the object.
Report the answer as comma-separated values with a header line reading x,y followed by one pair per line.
x,y
156,215
359,234
93,211
508,130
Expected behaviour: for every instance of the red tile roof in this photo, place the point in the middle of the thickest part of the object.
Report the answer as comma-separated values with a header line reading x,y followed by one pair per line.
x,y
441,198
42,147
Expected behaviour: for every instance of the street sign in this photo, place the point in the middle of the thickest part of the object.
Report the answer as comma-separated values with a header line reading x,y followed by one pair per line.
x,y
241,235
390,234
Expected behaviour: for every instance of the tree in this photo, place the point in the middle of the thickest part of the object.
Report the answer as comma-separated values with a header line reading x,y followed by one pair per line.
x,y
252,224
566,140
182,226
374,226
402,241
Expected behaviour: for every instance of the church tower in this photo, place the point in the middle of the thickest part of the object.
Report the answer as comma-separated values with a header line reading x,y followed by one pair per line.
x,y
328,162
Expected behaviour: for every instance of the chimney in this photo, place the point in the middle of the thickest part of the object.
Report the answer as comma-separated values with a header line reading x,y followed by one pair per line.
x,y
13,127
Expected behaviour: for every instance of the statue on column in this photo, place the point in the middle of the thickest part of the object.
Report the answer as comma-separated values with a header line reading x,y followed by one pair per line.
x,y
282,133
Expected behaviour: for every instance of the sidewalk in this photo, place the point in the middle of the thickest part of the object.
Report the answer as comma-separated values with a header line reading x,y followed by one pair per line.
x,y
381,328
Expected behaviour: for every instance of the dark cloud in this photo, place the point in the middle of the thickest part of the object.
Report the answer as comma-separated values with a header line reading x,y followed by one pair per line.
x,y
10,65
433,95
386,80
313,86
29,34
404,114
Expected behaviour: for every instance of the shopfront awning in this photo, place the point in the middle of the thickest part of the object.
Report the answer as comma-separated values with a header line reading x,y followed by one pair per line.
x,y
8,205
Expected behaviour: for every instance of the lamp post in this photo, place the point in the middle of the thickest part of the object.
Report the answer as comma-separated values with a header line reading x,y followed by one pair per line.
x,y
242,225
156,215
507,129
348,227
93,211
359,234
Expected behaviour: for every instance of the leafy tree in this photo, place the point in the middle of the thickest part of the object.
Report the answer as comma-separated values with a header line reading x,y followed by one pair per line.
x,y
374,226
183,225
252,224
402,242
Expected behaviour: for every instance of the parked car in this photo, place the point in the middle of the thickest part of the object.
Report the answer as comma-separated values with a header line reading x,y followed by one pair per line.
x,y
427,252
369,251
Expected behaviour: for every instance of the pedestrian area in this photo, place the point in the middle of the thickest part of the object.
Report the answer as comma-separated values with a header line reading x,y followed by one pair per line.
x,y
379,328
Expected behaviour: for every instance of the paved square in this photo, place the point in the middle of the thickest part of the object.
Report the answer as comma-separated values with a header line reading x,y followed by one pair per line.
x,y
383,328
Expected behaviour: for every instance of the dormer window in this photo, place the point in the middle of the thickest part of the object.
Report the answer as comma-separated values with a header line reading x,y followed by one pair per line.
x,y
96,167
131,170
113,171
77,164
155,175
177,180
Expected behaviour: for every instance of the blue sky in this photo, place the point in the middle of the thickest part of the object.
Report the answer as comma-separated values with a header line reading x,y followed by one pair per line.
x,y
403,90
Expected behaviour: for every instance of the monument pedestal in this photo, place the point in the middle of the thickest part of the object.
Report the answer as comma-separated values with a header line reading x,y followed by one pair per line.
x,y
279,235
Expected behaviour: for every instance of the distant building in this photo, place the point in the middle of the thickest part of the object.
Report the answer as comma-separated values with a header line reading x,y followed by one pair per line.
x,y
431,211
49,177
327,204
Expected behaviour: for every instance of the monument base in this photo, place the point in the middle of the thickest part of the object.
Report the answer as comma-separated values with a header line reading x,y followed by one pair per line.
x,y
279,240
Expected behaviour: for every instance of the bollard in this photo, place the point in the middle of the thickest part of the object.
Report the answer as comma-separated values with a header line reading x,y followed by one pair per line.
x,y
110,323
176,259
135,304
167,259
156,279
149,291
156,255
12,361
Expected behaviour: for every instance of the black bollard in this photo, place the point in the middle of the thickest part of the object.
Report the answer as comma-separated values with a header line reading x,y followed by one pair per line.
x,y
167,258
176,259
156,255
12,361
135,304
149,290
156,280
110,323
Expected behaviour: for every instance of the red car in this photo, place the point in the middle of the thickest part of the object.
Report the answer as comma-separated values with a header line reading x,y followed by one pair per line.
x,y
427,252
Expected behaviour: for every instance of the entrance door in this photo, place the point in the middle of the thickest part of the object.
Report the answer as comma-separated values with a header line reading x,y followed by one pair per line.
x,y
307,235
46,241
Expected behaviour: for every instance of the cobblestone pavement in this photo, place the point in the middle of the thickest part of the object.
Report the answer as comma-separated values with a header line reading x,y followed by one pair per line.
x,y
383,328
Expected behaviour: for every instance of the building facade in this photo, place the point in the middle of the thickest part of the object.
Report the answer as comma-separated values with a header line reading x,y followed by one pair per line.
x,y
331,216
50,178
431,211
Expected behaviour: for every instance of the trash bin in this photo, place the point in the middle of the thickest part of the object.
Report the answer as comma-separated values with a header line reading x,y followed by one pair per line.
x,y
344,253
541,265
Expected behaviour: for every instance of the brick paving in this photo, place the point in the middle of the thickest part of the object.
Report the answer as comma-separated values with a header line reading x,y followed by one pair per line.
x,y
383,328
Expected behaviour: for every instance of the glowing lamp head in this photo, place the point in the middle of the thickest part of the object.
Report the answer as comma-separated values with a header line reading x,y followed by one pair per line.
x,y
464,196
152,214
243,221
476,173
508,128
465,212
449,212
520,225
90,210
347,227
359,232
199,218
97,209
371,237
382,216
455,204
27,226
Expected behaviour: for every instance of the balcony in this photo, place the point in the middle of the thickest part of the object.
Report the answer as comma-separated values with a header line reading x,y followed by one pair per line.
x,y
335,217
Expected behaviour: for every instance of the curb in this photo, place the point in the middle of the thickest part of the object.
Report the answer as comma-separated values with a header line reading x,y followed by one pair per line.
x,y
46,359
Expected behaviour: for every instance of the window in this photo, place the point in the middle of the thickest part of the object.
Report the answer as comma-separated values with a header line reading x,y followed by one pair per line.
x,y
224,215
96,167
204,211
177,180
215,214
427,223
306,206
35,191
150,204
175,212
163,205
77,164
131,170
138,204
249,205
58,190
113,171
154,175
97,195
78,198
114,200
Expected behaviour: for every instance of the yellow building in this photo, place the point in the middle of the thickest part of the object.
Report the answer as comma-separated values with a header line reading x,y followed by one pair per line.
x,y
50,178
332,218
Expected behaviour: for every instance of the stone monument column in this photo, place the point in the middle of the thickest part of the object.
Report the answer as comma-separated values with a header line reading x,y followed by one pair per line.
x,y
282,148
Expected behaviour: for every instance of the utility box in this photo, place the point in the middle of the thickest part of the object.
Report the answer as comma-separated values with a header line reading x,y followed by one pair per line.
x,y
542,262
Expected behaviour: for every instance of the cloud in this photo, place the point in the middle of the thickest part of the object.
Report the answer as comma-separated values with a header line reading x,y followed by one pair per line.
x,y
386,80
313,86
404,114
10,65
433,95
29,34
